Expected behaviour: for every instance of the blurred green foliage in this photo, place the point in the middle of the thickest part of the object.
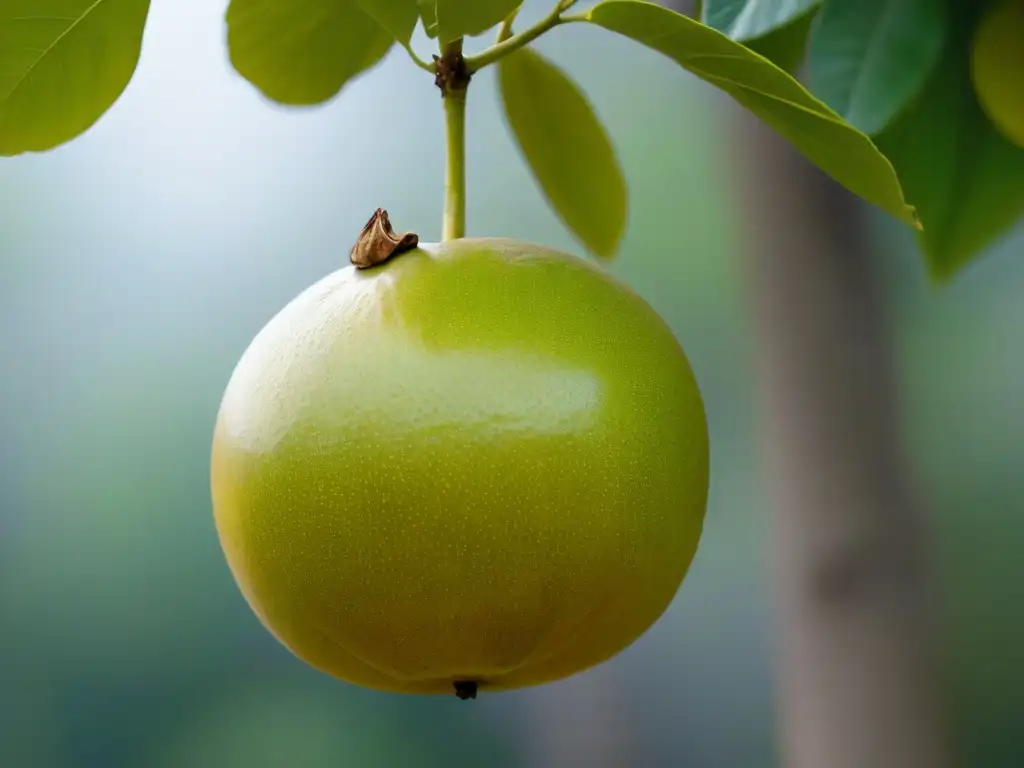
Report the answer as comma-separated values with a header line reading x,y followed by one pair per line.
x,y
900,71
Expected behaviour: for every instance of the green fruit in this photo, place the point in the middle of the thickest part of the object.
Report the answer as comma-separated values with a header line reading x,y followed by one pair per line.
x,y
997,67
482,462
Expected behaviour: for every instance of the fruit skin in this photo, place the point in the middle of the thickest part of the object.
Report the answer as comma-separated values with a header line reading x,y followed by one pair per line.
x,y
997,67
482,460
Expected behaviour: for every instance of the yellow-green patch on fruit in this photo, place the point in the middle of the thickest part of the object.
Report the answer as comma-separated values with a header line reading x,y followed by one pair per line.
x,y
997,67
480,462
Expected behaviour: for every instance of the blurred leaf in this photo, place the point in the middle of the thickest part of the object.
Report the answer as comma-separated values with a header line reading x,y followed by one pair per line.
x,y
786,46
869,58
997,66
263,723
840,150
428,14
566,147
396,16
966,179
303,52
745,20
63,63
461,18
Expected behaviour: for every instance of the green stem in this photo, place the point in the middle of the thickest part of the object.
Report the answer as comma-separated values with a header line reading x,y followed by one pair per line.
x,y
455,159
424,65
505,32
453,75
505,47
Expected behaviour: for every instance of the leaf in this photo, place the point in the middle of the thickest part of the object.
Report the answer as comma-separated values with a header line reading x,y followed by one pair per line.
x,y
869,58
744,20
303,52
63,64
786,46
462,18
428,15
566,148
967,180
396,16
841,151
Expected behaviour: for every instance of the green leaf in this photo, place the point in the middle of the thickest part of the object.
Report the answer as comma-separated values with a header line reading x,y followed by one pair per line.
x,y
396,16
869,58
567,149
841,151
428,15
967,180
303,52
63,63
745,20
462,18
786,46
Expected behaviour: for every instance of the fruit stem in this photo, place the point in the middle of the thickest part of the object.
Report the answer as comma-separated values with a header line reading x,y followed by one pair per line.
x,y
455,175
453,80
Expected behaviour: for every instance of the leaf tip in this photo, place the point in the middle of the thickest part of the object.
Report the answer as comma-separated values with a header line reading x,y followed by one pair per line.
x,y
607,248
943,261
915,218
604,253
940,274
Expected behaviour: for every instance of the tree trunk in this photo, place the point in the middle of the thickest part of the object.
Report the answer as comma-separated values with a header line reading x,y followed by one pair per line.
x,y
857,674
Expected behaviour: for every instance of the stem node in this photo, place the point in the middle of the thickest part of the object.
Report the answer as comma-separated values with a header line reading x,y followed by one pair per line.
x,y
453,75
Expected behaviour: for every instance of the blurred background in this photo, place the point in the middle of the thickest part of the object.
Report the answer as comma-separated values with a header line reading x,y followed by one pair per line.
x,y
136,264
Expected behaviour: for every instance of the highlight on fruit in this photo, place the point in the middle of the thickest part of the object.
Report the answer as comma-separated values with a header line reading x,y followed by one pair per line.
x,y
431,475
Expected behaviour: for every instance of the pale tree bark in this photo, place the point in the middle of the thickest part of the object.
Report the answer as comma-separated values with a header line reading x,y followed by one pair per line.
x,y
857,670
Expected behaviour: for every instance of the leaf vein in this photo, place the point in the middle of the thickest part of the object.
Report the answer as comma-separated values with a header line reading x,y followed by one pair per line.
x,y
28,72
743,86
871,49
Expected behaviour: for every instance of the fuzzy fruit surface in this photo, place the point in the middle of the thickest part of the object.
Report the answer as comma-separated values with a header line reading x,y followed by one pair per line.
x,y
997,67
479,461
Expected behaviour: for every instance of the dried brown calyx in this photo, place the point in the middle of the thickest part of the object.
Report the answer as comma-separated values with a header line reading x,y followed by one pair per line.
x,y
378,242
